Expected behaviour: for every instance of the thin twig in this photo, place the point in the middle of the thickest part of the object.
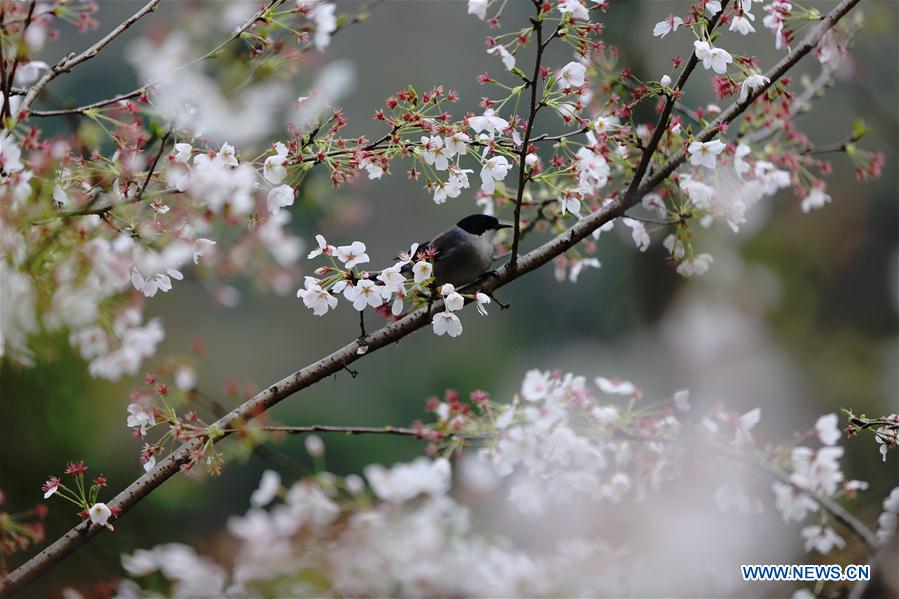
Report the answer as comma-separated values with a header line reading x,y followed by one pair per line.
x,y
15,64
144,88
72,60
532,114
357,18
346,430
391,333
662,124
839,513
143,188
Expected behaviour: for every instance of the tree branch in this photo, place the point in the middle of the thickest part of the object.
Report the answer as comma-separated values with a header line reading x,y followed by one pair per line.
x,y
358,18
839,513
72,60
391,333
532,114
662,124
346,430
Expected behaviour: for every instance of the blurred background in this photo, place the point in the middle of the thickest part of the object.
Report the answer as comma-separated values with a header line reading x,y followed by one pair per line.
x,y
798,313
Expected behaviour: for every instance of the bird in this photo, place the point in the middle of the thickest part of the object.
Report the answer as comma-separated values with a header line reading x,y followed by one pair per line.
x,y
463,252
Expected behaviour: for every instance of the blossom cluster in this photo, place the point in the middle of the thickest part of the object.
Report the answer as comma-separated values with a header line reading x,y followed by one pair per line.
x,y
884,429
410,280
157,404
19,530
86,498
567,456
88,238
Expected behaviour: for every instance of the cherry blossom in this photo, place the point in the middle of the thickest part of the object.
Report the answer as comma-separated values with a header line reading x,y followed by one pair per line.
x,y
457,145
573,75
663,28
50,487
314,445
280,197
353,254
815,200
489,122
140,418
495,169
574,8
638,233
393,278
593,170
406,481
421,271
740,165
323,248
373,169
452,299
821,539
315,298
182,152
696,265
482,301
367,294
616,387
274,170
268,489
743,23
704,153
579,265
100,514
506,56
447,323
713,58
826,429
433,152
325,23
752,83
478,8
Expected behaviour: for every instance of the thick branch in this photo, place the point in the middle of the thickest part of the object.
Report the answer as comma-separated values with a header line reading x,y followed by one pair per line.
x,y
393,332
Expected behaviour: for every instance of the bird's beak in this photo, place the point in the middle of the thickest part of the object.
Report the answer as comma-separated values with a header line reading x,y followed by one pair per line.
x,y
503,226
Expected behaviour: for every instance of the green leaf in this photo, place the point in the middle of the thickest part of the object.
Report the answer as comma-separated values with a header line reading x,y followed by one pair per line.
x,y
860,129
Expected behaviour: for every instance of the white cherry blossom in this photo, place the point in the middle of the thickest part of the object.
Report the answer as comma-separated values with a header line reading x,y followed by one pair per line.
x,y
704,153
663,28
488,122
506,56
421,271
279,197
316,298
447,323
573,75
478,8
353,254
494,169
815,199
713,58
752,83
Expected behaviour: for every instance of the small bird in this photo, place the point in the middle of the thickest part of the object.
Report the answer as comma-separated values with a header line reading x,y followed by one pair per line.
x,y
465,251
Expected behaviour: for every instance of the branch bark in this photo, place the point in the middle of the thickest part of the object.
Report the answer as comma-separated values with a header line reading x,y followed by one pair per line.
x,y
338,360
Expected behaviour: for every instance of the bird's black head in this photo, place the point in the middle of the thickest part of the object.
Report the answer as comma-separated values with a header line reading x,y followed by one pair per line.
x,y
478,224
